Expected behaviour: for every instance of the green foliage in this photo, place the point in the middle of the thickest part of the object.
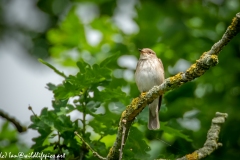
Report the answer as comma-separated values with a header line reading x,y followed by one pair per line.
x,y
174,132
178,33
52,67
56,128
136,145
90,88
10,143
92,92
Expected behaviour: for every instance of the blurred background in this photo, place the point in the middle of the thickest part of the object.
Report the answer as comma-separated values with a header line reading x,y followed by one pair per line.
x,y
63,32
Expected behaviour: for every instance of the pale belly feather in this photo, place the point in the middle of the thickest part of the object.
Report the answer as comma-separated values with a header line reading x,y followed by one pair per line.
x,y
148,78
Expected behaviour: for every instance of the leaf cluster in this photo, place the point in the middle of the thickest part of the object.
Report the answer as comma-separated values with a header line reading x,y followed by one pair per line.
x,y
89,93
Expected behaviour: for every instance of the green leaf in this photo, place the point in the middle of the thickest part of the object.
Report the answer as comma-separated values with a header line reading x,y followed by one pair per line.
x,y
51,86
82,65
53,68
101,123
116,107
110,94
174,132
9,140
71,142
49,119
136,145
110,59
66,90
58,104
63,123
39,142
7,133
92,105
88,77
35,120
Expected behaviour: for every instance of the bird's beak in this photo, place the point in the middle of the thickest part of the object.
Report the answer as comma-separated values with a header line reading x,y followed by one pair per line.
x,y
140,50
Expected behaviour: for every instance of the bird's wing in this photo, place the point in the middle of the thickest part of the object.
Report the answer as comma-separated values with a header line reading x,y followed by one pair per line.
x,y
161,64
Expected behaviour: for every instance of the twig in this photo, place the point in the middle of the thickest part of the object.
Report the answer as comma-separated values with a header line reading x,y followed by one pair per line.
x,y
207,60
211,143
89,147
123,140
30,108
19,127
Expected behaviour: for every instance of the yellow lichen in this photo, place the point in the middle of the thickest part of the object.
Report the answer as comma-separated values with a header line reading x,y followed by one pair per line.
x,y
110,152
135,101
233,24
203,55
193,156
143,94
123,114
134,107
214,58
192,68
177,77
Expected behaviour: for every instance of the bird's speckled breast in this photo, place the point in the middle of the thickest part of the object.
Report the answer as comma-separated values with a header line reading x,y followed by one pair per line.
x,y
149,75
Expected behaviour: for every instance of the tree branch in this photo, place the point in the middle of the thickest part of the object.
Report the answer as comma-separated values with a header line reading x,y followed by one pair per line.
x,y
123,141
207,60
89,147
15,122
211,143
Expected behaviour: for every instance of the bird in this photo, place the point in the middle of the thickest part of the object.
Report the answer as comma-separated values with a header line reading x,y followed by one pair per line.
x,y
149,73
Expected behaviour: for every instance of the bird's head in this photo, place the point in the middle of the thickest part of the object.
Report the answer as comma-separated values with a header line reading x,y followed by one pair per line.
x,y
146,53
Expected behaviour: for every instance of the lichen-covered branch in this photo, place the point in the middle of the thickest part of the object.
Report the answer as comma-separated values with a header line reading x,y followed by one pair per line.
x,y
16,123
123,142
207,60
211,143
232,31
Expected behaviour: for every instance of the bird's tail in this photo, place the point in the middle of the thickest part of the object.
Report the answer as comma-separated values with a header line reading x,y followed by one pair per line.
x,y
154,107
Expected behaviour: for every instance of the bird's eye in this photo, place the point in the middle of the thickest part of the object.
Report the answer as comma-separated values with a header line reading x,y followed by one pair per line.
x,y
149,52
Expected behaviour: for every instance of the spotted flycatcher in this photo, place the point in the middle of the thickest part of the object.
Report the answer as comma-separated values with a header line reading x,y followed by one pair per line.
x,y
149,73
